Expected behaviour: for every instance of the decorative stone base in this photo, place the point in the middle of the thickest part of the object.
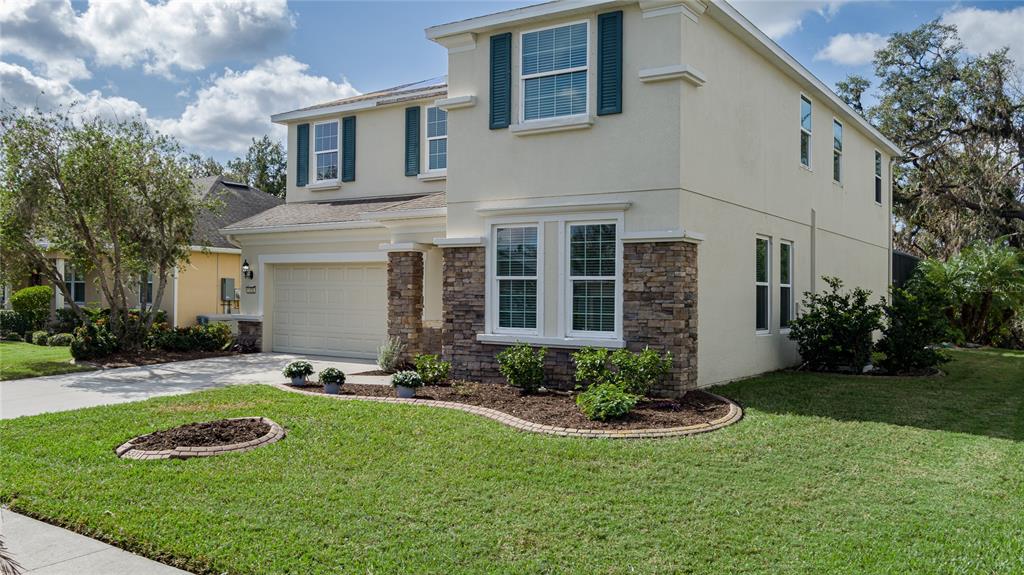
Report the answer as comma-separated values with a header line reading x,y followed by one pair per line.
x,y
405,300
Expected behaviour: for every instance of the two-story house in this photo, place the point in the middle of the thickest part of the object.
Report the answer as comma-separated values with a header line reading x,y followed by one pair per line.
x,y
622,174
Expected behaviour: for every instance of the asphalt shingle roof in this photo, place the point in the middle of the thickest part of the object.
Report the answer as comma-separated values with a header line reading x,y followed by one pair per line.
x,y
430,88
238,202
335,212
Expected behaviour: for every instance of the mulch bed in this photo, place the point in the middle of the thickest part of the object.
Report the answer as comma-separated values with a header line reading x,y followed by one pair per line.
x,y
559,408
205,434
150,357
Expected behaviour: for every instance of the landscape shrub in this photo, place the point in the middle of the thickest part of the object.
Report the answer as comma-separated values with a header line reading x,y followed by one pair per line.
x,y
93,341
33,303
389,355
834,331
432,369
523,366
65,321
40,337
299,368
606,401
914,321
12,337
214,336
332,375
61,339
12,322
634,373
407,379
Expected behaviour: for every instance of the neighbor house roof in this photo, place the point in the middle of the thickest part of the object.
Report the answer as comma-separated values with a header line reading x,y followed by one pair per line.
x,y
320,215
238,202
719,10
430,88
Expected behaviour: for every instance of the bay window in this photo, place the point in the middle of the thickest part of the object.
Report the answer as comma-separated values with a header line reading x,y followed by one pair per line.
x,y
554,72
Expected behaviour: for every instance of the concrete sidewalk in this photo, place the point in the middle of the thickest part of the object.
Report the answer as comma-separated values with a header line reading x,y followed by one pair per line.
x,y
43,549
86,389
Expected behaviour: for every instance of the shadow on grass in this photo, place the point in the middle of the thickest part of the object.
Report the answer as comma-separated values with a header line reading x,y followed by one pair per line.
x,y
982,394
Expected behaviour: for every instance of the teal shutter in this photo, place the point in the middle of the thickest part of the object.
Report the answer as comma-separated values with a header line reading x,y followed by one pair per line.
x,y
302,155
348,149
609,63
412,141
501,81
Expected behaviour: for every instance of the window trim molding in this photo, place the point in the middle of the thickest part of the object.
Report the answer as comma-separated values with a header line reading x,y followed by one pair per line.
x,y
326,182
491,324
767,284
810,133
878,169
566,278
792,293
520,78
840,151
433,173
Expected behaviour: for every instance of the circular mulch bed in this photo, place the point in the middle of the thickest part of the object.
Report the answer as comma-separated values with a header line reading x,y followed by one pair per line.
x,y
556,411
203,439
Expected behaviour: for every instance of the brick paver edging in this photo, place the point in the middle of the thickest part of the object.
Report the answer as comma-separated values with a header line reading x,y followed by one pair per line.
x,y
734,415
276,433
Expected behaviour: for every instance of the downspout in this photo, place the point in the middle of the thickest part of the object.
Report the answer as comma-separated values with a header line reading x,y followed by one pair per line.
x,y
814,249
889,223
174,286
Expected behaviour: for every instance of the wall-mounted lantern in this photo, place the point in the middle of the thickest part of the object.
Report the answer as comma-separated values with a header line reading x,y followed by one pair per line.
x,y
246,270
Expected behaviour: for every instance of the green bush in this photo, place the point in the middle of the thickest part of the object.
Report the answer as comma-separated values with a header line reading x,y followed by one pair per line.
x,y
214,336
407,379
389,355
432,369
913,322
299,368
834,332
634,373
606,401
332,375
522,366
12,322
12,337
93,341
40,337
61,339
33,303
65,321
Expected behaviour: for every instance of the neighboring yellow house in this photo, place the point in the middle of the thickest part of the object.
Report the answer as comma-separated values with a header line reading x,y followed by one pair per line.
x,y
196,290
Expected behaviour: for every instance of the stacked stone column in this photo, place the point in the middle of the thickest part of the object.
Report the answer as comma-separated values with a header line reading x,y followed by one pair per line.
x,y
405,300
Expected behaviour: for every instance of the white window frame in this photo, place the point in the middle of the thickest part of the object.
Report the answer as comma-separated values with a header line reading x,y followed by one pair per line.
x,y
568,279
524,77
792,296
426,149
71,278
878,169
839,150
336,150
493,290
809,132
146,286
767,284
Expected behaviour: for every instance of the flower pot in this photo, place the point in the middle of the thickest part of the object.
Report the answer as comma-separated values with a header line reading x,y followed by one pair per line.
x,y
405,392
299,381
332,388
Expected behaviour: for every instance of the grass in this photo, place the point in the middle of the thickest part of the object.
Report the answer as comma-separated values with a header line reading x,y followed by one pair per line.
x,y
824,475
19,360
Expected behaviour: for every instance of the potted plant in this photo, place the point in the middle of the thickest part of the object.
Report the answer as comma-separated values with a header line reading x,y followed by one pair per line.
x,y
298,371
406,382
332,378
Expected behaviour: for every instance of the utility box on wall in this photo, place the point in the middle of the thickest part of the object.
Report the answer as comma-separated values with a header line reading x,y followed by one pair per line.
x,y
227,289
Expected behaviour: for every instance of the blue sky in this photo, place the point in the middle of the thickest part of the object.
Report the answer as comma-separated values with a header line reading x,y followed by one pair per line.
x,y
211,73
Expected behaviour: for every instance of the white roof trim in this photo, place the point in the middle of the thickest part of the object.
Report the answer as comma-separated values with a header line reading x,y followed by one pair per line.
x,y
489,21
299,228
429,93
213,250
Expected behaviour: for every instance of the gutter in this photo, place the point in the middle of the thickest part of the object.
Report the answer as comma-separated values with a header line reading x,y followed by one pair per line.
x,y
325,226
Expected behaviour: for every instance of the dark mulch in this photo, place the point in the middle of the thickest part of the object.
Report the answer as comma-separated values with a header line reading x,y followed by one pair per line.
x,y
150,357
558,407
373,372
205,434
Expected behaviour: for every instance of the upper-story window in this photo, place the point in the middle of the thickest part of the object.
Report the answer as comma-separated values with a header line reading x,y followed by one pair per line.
x,y
437,139
75,283
325,144
837,151
805,131
554,72
878,177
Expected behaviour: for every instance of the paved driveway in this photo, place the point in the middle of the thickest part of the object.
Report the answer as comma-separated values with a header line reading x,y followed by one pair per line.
x,y
85,389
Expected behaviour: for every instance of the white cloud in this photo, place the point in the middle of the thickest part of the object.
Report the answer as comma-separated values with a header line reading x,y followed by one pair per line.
x,y
852,49
23,89
236,106
779,19
985,31
44,33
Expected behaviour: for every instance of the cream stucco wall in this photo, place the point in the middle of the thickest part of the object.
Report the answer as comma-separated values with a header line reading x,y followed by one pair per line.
x,y
199,284
380,157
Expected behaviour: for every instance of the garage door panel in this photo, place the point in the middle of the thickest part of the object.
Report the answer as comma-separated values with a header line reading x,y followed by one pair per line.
x,y
330,309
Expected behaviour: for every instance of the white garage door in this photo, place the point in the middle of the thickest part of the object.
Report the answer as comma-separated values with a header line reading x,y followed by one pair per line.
x,y
330,309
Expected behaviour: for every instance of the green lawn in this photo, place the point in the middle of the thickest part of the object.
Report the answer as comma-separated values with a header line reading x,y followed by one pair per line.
x,y
18,360
823,475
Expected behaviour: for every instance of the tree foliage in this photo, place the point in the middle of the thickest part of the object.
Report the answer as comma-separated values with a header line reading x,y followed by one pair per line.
x,y
264,166
959,120
114,198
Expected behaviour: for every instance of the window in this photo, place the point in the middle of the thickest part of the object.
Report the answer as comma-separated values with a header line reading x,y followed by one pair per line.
x,y
762,257
878,177
146,291
554,72
75,283
516,268
837,151
325,144
437,139
785,284
593,251
805,131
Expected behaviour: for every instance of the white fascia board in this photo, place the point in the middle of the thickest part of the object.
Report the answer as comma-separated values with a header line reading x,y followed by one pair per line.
x,y
404,247
518,15
732,20
215,250
473,242
285,117
301,228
